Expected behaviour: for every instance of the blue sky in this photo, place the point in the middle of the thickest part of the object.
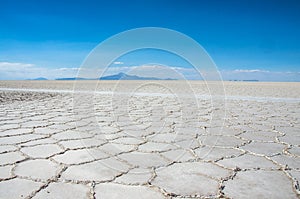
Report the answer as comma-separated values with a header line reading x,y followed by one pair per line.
x,y
246,39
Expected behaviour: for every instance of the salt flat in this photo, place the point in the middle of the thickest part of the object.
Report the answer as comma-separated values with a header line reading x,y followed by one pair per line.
x,y
149,139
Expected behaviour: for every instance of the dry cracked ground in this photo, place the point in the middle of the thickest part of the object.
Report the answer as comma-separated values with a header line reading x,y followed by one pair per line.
x,y
57,145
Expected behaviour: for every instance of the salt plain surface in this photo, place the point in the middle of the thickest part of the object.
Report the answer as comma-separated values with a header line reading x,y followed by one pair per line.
x,y
149,139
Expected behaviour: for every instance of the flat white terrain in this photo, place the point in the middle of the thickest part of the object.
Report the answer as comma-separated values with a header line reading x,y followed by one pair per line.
x,y
149,139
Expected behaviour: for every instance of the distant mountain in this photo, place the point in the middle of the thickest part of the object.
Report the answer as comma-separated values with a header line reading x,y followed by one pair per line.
x,y
119,76
71,78
250,80
244,80
124,76
39,78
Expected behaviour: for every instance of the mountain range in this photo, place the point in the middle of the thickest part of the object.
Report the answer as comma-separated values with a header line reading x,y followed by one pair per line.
x,y
119,76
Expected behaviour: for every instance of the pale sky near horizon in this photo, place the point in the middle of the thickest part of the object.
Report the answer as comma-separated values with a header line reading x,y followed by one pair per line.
x,y
246,39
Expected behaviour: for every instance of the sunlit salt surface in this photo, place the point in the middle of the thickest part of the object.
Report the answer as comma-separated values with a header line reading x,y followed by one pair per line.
x,y
156,94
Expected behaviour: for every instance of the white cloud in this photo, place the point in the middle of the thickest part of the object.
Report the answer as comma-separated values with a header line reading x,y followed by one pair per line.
x,y
66,69
260,75
13,65
156,70
251,71
118,62
19,71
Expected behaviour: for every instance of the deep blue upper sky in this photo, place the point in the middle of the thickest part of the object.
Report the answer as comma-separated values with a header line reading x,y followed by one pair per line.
x,y
239,35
